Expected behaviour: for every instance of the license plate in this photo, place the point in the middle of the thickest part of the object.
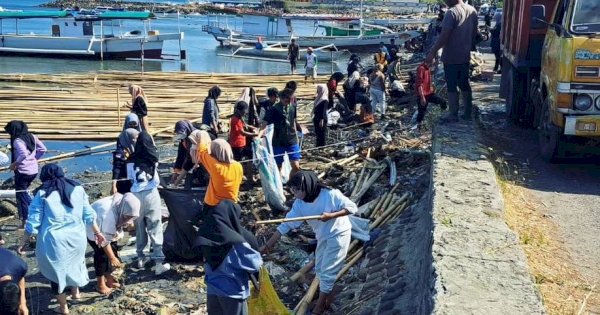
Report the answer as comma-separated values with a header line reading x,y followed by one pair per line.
x,y
586,126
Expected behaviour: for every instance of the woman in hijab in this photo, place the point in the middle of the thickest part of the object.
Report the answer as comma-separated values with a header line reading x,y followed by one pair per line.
x,y
210,113
183,162
321,105
251,116
332,85
332,230
495,40
138,105
113,215
225,173
124,150
59,214
144,176
350,89
231,256
25,149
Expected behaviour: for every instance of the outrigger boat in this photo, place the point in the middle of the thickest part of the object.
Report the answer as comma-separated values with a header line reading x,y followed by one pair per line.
x,y
86,36
277,52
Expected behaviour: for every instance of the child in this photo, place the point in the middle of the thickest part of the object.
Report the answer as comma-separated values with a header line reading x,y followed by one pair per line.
x,y
310,65
237,136
332,230
425,94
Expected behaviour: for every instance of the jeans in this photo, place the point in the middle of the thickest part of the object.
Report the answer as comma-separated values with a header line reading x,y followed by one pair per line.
x,y
457,76
378,100
22,182
422,108
221,305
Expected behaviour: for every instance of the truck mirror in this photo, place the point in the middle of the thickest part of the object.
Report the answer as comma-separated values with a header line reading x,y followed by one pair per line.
x,y
538,16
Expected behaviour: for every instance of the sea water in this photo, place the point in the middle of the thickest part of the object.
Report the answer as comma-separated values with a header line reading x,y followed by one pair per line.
x,y
202,49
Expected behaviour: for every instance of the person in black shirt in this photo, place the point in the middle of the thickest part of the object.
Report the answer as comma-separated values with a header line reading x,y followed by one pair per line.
x,y
285,139
353,64
268,102
12,284
293,54
138,105
320,114
124,150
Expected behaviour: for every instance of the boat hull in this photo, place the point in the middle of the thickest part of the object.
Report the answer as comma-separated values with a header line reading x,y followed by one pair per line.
x,y
281,54
83,47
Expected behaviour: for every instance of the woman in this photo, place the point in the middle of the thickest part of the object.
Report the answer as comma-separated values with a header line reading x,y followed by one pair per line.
x,y
138,105
144,177
25,149
240,137
230,258
332,230
350,89
59,214
249,96
321,104
377,90
495,41
353,64
113,214
225,173
124,150
183,163
332,85
210,112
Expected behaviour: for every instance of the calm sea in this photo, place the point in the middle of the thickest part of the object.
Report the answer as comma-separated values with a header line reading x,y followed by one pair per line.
x,y
202,49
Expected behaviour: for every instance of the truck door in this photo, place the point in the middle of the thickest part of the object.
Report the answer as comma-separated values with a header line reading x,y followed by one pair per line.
x,y
553,49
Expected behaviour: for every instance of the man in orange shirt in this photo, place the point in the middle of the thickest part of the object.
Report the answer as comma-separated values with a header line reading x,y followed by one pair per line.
x,y
425,93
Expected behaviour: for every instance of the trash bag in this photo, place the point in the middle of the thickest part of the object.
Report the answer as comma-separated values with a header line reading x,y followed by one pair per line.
x,y
286,167
270,179
265,301
185,209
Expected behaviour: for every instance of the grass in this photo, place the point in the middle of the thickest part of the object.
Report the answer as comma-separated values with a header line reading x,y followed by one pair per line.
x,y
563,290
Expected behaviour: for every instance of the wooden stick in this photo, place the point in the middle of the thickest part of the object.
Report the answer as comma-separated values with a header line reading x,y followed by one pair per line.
x,y
118,108
308,297
310,217
303,270
368,184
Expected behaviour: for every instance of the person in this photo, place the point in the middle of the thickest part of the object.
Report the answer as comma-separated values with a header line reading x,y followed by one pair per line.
x,y
285,139
381,58
239,133
259,44
460,24
113,214
319,119
293,54
210,113
394,69
139,105
353,64
183,163
310,65
12,284
59,214
293,86
231,257
332,230
144,176
425,93
268,102
332,85
25,150
350,89
488,18
495,41
383,49
224,171
392,48
377,90
249,97
124,149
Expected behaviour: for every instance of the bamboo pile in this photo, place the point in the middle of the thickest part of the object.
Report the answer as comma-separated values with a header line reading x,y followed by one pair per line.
x,y
92,106
384,209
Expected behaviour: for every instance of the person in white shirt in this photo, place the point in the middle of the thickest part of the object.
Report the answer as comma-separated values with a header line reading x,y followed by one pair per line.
x,y
332,230
311,65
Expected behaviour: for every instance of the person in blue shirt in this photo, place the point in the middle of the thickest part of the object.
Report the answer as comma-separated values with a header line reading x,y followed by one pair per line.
x,y
332,230
210,112
231,257
12,284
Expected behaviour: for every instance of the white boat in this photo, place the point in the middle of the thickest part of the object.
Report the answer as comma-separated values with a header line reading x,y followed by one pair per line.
x,y
85,36
273,30
277,52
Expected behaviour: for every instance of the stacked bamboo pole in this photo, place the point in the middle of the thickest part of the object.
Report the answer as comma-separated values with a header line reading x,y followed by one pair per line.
x,y
91,106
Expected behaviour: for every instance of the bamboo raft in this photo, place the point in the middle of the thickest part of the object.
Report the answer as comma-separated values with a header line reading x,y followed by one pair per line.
x,y
91,106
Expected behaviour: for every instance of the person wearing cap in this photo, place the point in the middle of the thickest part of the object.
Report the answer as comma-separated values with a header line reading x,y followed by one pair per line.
x,y
311,65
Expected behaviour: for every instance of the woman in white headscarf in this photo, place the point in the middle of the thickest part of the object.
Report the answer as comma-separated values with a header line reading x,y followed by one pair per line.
x,y
350,88
321,104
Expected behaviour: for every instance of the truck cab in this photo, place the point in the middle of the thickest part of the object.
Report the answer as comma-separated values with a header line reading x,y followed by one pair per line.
x,y
555,86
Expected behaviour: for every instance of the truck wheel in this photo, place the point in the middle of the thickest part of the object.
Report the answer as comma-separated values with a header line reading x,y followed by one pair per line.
x,y
550,138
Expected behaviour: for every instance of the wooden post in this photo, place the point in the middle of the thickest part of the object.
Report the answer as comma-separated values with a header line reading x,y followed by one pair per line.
x,y
118,108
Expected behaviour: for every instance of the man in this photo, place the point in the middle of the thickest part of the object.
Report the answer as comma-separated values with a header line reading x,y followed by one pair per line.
x,y
268,102
285,124
392,49
310,65
293,53
12,284
460,24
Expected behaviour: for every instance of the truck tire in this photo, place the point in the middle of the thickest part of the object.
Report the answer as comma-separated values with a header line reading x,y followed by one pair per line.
x,y
514,95
550,137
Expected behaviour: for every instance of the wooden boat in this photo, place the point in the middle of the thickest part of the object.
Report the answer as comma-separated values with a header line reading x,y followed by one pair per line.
x,y
84,36
277,52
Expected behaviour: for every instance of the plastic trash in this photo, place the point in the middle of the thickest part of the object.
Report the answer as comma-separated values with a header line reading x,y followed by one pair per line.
x,y
270,179
4,160
360,228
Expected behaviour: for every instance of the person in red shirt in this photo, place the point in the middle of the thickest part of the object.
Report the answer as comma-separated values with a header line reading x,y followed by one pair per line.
x,y
425,93
332,85
238,131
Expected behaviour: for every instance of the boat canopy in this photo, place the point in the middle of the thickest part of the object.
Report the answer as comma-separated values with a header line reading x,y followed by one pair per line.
x,y
33,14
125,15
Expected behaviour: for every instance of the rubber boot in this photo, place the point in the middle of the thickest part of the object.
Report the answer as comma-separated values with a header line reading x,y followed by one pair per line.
x,y
467,98
452,115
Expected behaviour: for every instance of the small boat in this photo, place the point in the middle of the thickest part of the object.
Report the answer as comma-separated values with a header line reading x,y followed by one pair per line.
x,y
277,52
97,35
